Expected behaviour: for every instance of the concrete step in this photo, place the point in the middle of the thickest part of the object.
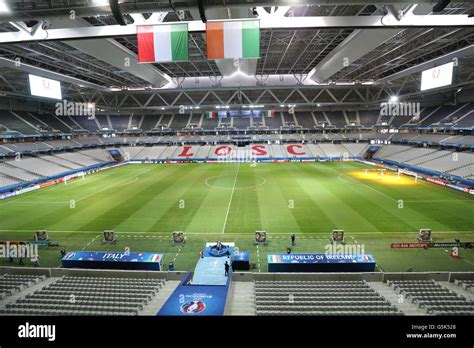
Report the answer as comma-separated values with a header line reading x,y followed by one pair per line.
x,y
154,306
241,299
403,304
458,290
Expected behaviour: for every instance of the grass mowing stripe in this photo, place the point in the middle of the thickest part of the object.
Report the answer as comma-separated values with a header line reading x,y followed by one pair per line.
x,y
167,205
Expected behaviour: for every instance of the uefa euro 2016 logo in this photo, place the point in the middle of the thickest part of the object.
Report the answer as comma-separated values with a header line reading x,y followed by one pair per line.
x,y
193,307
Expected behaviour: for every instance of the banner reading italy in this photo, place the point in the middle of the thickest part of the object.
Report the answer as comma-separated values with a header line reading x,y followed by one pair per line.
x,y
233,39
162,43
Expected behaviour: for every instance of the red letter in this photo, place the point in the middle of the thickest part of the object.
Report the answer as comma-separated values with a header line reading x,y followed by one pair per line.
x,y
259,150
185,153
227,149
293,152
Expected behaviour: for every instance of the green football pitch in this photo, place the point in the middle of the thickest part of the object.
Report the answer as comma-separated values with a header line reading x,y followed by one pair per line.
x,y
144,203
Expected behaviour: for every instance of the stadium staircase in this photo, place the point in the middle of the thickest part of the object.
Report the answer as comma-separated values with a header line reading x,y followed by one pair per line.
x,y
28,290
387,292
241,299
159,300
434,297
459,289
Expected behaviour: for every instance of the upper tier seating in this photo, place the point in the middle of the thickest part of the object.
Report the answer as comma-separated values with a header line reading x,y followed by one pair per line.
x,y
15,123
179,121
461,115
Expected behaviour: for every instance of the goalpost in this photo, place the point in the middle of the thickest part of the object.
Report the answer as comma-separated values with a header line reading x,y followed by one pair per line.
x,y
382,171
409,173
68,177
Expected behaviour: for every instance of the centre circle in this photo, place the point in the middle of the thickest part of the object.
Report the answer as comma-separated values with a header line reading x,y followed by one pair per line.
x,y
229,182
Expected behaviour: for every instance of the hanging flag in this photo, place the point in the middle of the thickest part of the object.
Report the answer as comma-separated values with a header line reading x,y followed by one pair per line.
x,y
233,39
269,113
162,43
211,114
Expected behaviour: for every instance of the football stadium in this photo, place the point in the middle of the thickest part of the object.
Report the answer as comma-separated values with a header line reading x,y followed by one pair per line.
x,y
236,158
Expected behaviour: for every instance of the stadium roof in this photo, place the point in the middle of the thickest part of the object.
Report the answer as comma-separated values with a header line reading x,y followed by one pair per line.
x,y
349,53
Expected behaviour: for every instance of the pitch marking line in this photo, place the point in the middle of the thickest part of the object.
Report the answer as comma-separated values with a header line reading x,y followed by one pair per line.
x,y
361,183
258,259
446,190
107,187
177,253
134,178
467,261
355,241
90,178
237,188
39,202
378,266
230,200
92,241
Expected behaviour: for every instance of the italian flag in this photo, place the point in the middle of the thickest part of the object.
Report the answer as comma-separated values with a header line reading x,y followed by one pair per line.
x,y
269,113
233,39
211,114
162,43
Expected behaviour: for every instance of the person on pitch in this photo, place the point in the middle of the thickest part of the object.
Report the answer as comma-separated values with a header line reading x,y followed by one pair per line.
x,y
293,238
288,250
226,266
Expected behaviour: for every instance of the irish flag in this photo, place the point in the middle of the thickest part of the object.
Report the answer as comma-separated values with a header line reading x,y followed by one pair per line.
x,y
211,114
233,39
162,43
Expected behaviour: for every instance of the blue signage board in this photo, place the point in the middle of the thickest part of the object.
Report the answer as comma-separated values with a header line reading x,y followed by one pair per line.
x,y
241,261
321,263
113,260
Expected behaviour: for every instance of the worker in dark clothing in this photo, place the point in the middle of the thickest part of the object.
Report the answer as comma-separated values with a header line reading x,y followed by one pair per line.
x,y
288,250
63,253
226,266
293,238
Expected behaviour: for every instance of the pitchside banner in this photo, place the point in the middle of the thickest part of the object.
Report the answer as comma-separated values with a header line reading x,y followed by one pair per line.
x,y
321,263
468,245
113,260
